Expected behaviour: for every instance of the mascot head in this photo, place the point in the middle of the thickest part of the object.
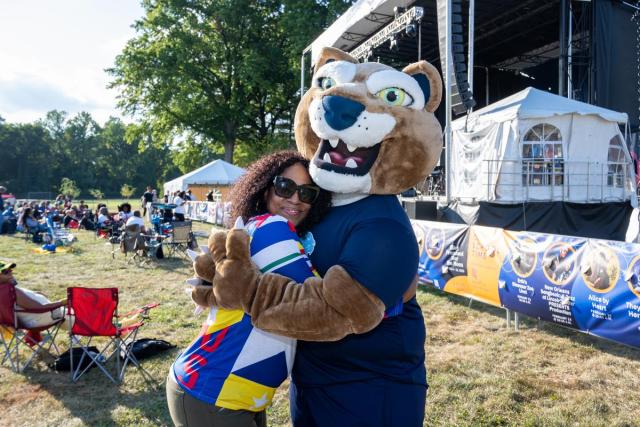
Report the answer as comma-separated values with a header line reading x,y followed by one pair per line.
x,y
368,128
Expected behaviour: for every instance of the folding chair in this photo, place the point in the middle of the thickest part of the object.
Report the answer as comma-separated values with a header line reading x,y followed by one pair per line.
x,y
94,313
14,336
132,241
180,238
62,237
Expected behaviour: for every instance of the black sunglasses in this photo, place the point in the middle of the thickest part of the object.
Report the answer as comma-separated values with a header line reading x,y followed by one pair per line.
x,y
285,187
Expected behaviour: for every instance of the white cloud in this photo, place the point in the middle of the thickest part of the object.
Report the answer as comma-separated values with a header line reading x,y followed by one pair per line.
x,y
57,55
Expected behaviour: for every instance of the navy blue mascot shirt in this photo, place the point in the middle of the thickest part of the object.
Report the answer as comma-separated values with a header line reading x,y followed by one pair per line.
x,y
373,241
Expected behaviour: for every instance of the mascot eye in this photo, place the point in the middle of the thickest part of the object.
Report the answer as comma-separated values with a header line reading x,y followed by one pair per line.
x,y
326,82
395,96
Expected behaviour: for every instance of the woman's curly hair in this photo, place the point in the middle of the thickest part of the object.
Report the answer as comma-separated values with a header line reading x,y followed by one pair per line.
x,y
248,194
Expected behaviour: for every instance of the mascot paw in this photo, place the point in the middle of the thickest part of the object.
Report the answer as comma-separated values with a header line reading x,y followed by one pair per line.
x,y
204,266
216,245
201,292
236,277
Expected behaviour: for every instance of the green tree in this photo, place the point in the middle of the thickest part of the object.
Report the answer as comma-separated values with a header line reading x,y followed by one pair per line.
x,y
192,153
96,193
218,68
127,191
25,158
69,188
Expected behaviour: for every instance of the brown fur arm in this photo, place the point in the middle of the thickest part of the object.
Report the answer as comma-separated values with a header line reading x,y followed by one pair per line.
x,y
318,310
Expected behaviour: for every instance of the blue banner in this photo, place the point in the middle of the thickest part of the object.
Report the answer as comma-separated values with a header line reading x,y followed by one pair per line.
x,y
586,284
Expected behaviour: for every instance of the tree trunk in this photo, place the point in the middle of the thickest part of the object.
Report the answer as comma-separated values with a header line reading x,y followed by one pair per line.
x,y
229,146
229,141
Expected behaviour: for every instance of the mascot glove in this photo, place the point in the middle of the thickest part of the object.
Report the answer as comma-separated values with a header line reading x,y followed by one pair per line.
x,y
204,268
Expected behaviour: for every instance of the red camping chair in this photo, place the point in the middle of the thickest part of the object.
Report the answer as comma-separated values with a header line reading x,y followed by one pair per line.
x,y
15,336
94,313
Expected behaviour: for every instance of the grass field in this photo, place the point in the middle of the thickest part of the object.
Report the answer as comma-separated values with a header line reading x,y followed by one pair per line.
x,y
481,373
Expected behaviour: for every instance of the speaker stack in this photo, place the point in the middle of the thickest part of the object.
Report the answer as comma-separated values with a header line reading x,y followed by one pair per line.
x,y
461,94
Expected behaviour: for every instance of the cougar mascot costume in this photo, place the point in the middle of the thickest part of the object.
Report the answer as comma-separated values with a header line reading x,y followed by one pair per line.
x,y
370,133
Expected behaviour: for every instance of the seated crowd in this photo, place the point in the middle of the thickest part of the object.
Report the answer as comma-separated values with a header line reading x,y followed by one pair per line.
x,y
35,217
42,216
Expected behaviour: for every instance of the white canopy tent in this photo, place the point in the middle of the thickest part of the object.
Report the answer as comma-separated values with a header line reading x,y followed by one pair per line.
x,y
217,172
537,146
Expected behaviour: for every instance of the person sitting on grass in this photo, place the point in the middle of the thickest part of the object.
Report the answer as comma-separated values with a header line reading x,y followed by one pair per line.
x,y
103,216
27,221
86,221
98,207
124,212
70,219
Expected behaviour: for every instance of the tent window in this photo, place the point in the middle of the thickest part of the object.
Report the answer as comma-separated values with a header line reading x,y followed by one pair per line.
x,y
616,163
542,156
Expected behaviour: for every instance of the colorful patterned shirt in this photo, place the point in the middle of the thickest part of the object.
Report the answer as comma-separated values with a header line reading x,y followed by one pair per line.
x,y
232,364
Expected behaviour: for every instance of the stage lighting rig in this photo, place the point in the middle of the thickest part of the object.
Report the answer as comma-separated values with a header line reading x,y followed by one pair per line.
x,y
394,43
398,10
411,17
411,30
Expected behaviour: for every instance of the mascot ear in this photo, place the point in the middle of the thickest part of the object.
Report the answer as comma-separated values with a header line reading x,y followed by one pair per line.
x,y
330,54
430,82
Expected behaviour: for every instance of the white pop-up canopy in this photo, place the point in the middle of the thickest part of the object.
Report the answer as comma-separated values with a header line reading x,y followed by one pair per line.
x,y
537,146
217,172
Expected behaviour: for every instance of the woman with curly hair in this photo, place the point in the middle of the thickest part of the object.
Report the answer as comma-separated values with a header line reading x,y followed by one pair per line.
x,y
228,375
258,186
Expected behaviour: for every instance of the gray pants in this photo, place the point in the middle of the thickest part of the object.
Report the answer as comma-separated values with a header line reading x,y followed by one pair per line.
x,y
187,411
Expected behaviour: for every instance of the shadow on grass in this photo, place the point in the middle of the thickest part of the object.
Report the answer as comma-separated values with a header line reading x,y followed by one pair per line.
x,y
113,258
526,322
95,400
172,263
76,251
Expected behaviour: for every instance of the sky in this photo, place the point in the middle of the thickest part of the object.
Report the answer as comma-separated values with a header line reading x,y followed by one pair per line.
x,y
53,54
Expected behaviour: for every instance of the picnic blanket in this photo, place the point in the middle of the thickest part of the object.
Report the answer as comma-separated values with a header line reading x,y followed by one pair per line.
x,y
59,249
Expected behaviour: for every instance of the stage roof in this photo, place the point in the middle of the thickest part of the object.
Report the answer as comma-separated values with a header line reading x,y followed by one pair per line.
x,y
505,30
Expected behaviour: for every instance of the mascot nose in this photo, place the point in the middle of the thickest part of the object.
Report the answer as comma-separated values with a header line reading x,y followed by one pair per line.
x,y
341,112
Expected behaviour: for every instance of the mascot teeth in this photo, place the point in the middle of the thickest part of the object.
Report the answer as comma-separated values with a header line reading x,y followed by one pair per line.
x,y
345,158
